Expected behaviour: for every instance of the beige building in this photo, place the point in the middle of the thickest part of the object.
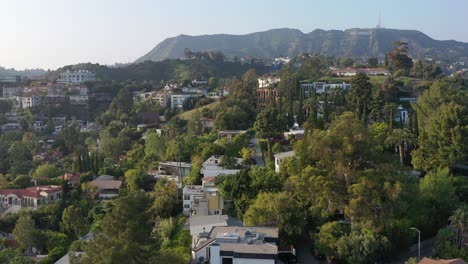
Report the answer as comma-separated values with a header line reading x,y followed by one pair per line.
x,y
31,197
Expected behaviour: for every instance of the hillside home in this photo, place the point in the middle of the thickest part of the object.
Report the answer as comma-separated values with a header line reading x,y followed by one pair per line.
x,y
322,87
10,127
202,200
212,167
367,71
73,179
79,76
31,197
230,134
177,100
238,244
280,158
106,186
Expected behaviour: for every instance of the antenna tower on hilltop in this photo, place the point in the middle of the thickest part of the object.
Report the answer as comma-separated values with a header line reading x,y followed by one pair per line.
x,y
380,21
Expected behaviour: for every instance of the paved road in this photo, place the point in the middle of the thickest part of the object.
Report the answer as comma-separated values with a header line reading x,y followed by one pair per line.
x,y
427,247
304,253
258,152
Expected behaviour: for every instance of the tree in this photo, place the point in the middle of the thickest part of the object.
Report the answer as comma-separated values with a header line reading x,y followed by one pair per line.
x,y
277,210
46,170
70,138
135,179
25,231
155,146
73,221
343,149
398,58
166,198
437,194
328,237
122,103
372,62
362,246
269,124
125,233
401,138
359,96
459,219
5,106
442,113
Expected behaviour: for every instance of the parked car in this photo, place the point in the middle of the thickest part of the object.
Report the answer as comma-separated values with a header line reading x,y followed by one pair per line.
x,y
287,257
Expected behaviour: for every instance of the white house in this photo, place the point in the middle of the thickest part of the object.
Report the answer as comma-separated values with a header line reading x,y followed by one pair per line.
x,y
79,76
402,115
367,71
9,92
79,99
280,158
29,101
238,245
30,197
202,199
322,87
200,224
177,100
10,127
211,167
267,81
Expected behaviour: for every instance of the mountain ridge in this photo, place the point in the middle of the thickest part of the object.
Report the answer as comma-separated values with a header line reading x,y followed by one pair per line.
x,y
353,43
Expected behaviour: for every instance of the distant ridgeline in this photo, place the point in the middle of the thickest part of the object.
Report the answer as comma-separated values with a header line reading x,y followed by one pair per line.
x,y
351,43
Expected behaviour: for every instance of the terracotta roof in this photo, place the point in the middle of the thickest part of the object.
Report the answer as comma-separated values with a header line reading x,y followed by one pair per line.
x,y
34,191
107,184
70,177
442,261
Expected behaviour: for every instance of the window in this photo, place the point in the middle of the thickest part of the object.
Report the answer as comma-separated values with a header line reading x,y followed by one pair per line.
x,y
186,206
186,197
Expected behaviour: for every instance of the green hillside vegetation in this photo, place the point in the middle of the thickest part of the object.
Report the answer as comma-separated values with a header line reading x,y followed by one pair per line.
x,y
189,115
166,70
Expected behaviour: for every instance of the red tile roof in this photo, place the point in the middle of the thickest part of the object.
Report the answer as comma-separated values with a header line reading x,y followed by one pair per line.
x,y
442,261
34,191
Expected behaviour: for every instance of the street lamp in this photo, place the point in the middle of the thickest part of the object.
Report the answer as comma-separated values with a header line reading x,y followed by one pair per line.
x,y
419,242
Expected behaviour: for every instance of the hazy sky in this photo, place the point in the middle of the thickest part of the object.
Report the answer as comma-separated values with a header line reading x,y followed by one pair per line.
x,y
54,33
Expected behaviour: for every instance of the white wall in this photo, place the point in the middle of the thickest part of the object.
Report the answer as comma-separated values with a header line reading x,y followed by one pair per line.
x,y
253,261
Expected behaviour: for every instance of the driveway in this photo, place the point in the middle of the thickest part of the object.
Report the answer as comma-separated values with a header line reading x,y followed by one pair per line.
x,y
304,253
258,152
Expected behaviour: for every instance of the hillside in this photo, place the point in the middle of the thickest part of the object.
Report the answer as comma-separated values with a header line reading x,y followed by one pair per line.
x,y
353,43
166,70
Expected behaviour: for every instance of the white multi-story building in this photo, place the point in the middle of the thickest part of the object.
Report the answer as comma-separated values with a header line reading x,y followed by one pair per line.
x,y
322,87
267,81
79,76
177,100
79,99
9,92
212,168
202,199
29,101
238,245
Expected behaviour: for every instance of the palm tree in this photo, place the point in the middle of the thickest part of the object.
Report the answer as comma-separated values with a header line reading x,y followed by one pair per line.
x,y
400,137
459,219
